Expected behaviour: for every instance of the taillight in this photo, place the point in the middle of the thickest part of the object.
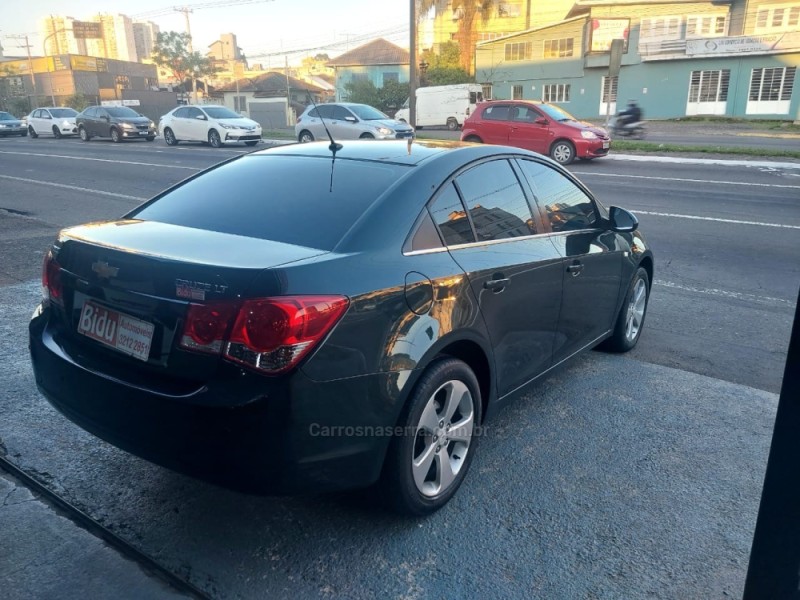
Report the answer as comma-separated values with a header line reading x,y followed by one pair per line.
x,y
270,335
52,290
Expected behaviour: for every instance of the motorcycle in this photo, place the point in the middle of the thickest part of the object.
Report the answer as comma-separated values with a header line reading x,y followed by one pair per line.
x,y
636,130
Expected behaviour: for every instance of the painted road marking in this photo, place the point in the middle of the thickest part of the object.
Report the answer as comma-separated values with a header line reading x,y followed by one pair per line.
x,y
724,293
703,161
718,220
108,160
74,188
708,181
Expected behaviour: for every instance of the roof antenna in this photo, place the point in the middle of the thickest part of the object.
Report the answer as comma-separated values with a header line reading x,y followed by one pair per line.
x,y
334,147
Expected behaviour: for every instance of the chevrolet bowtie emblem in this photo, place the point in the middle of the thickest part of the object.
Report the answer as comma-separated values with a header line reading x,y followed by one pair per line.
x,y
104,270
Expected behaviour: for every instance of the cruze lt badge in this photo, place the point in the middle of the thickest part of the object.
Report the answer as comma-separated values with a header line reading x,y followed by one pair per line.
x,y
196,290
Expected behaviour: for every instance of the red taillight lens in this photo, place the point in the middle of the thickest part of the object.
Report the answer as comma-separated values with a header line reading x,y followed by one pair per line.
x,y
270,335
52,290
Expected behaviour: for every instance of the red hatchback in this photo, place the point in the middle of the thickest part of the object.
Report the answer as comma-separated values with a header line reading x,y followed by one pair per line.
x,y
537,126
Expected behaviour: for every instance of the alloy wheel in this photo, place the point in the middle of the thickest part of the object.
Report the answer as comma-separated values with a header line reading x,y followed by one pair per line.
x,y
636,308
442,439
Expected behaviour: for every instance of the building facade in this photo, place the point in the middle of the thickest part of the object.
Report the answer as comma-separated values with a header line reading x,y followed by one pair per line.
x,y
378,61
119,40
735,58
144,38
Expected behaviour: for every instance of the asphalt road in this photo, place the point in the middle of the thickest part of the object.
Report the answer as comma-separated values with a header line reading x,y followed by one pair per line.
x,y
634,476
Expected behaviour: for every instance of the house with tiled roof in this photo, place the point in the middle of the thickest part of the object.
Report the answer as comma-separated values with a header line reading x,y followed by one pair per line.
x,y
377,61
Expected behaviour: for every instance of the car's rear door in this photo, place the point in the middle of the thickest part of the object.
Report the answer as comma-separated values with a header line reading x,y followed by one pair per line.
x,y
515,274
178,123
529,129
592,257
35,121
102,124
494,124
197,125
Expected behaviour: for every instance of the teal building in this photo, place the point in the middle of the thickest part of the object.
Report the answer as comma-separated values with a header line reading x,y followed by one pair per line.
x,y
734,58
378,61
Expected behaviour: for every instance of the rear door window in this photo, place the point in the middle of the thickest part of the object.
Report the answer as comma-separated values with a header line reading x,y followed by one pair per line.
x,y
325,112
496,202
496,112
283,198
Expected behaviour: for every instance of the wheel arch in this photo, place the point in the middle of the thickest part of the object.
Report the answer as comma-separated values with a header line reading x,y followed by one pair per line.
x,y
647,264
476,359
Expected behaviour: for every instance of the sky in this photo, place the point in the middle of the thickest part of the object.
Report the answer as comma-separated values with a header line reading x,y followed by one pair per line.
x,y
265,29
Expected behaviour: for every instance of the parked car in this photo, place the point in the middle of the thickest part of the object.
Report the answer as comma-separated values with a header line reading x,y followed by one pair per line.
x,y
538,126
349,121
115,122
10,125
216,125
55,121
290,320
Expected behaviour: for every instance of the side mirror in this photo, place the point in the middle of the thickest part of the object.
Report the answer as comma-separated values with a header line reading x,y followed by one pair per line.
x,y
105,118
541,121
351,119
622,221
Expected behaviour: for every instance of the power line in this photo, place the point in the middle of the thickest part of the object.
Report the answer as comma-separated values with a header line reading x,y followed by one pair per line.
x,y
198,6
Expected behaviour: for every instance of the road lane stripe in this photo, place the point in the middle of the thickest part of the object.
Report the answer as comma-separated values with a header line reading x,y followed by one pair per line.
x,y
734,221
707,181
704,161
108,160
724,293
74,188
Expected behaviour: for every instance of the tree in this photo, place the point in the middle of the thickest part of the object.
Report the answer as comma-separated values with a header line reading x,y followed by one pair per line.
x,y
444,67
79,101
470,12
171,52
388,98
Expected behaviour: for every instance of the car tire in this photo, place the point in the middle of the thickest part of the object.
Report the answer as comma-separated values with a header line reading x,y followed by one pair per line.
x,y
32,132
366,136
251,143
473,139
214,139
305,136
418,476
84,134
563,152
452,124
150,138
169,137
57,132
630,321
24,133
116,136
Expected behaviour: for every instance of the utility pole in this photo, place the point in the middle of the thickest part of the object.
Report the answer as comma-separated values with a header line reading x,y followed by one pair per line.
x,y
412,66
28,47
288,94
186,11
528,16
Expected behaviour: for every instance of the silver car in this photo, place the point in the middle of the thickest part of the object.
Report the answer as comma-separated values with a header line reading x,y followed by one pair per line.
x,y
349,121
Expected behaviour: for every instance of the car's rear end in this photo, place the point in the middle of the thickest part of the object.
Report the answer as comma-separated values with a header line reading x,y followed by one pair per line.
x,y
182,333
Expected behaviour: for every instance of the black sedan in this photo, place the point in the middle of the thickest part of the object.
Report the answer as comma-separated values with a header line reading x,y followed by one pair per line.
x,y
301,320
115,122
10,125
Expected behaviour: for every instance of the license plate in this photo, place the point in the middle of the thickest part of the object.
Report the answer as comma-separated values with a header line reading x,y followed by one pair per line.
x,y
116,330
143,132
606,145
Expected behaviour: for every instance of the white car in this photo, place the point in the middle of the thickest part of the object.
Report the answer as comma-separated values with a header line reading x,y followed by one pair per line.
x,y
216,125
57,122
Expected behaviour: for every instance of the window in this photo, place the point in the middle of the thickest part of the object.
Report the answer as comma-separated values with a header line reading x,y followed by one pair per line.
x,y
567,207
519,51
524,114
181,113
516,92
610,89
274,194
777,18
240,103
660,28
706,26
556,92
450,216
709,86
193,113
496,112
425,237
558,48
770,90
360,77
391,76
496,202
325,111
340,113
487,91
509,10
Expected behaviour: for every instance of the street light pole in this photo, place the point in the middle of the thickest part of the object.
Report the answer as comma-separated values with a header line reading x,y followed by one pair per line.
x,y
412,65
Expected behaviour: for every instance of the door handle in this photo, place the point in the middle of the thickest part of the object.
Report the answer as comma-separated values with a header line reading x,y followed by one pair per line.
x,y
496,284
575,268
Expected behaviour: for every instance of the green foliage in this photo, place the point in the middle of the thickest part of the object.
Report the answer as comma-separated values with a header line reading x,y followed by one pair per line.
x,y
171,51
633,146
387,99
19,106
449,55
79,101
446,76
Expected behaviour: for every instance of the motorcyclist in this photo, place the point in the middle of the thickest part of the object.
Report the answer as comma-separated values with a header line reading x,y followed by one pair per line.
x,y
632,114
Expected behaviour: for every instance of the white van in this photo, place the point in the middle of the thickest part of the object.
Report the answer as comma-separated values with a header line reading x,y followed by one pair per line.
x,y
444,105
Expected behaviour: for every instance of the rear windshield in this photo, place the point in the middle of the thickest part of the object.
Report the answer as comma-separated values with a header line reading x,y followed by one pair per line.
x,y
284,198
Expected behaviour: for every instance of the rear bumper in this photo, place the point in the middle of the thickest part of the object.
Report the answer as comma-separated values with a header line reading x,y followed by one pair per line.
x,y
264,435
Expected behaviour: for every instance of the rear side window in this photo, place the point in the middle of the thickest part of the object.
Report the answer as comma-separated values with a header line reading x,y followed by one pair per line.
x,y
496,202
566,206
496,112
326,112
450,217
313,113
282,198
